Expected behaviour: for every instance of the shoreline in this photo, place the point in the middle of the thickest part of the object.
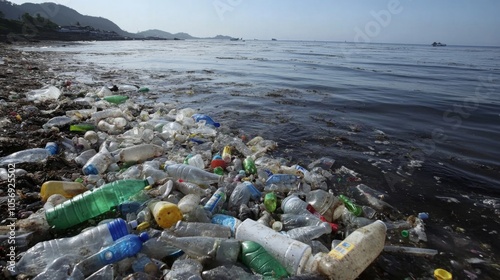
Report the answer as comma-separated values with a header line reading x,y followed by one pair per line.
x,y
32,70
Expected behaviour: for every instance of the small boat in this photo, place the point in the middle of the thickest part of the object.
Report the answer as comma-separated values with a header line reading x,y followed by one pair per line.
x,y
438,44
236,39
273,39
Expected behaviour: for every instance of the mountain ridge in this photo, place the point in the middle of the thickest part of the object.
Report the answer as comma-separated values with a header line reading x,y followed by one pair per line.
x,y
65,16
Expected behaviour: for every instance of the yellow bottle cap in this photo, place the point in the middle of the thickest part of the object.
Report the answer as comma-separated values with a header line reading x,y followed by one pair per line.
x,y
143,226
441,274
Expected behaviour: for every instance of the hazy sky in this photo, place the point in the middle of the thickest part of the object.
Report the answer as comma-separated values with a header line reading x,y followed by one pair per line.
x,y
459,22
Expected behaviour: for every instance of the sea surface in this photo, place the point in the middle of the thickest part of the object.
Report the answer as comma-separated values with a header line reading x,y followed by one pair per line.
x,y
417,122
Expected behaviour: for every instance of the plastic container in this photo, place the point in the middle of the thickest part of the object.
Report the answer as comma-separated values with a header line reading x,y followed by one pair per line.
x,y
228,221
109,113
139,153
125,247
98,163
43,94
351,206
86,243
270,202
192,174
166,214
249,166
184,229
84,157
58,121
308,233
196,161
208,120
67,189
29,155
323,202
291,221
353,255
292,254
116,99
188,203
441,274
215,202
282,179
226,154
202,246
254,256
191,188
93,203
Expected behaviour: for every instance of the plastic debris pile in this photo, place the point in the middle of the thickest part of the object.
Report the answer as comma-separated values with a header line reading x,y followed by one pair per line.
x,y
177,196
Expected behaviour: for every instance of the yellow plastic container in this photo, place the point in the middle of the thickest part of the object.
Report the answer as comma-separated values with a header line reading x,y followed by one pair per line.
x,y
441,274
166,213
67,189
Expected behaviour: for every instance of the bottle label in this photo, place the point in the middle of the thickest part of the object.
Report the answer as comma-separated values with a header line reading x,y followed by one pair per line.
x,y
341,250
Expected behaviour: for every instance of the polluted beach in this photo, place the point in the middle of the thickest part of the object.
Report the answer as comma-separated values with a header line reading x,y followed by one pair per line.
x,y
229,158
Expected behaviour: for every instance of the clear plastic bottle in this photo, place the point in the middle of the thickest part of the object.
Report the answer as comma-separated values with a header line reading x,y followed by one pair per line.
x,y
191,188
229,272
196,161
139,153
98,163
114,113
125,247
88,242
353,255
192,174
353,221
82,158
292,254
291,221
67,189
58,121
282,179
185,269
351,206
323,201
93,203
202,246
30,155
254,256
188,203
308,233
240,195
185,229
208,120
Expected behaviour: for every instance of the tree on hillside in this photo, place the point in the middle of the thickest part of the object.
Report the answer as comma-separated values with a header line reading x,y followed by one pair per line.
x,y
2,15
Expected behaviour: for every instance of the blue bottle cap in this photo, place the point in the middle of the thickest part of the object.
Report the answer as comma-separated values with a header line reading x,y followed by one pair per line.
x,y
217,157
90,170
144,236
51,147
118,228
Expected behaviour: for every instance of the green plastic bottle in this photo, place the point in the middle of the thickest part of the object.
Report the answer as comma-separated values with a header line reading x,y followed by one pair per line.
x,y
82,127
143,89
270,201
116,99
249,166
351,206
94,202
259,260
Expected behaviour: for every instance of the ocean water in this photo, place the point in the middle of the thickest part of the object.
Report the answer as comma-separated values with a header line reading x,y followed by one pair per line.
x,y
417,122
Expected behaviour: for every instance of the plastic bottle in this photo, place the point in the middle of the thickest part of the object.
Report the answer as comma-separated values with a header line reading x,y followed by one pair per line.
x,y
242,194
125,247
202,246
188,203
228,221
116,99
368,196
228,272
292,254
196,161
192,174
215,202
139,153
45,93
109,113
67,189
98,163
323,202
58,121
308,233
282,179
270,202
191,188
351,206
208,120
249,165
185,269
353,255
185,229
81,127
166,214
291,221
351,220
217,161
254,256
30,155
93,203
86,243
226,154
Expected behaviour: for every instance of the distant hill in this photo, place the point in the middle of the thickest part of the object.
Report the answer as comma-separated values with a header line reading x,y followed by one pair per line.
x,y
164,35
65,16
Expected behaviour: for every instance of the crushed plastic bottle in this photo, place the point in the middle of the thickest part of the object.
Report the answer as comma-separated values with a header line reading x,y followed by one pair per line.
x,y
98,163
140,153
43,94
192,174
259,260
30,155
